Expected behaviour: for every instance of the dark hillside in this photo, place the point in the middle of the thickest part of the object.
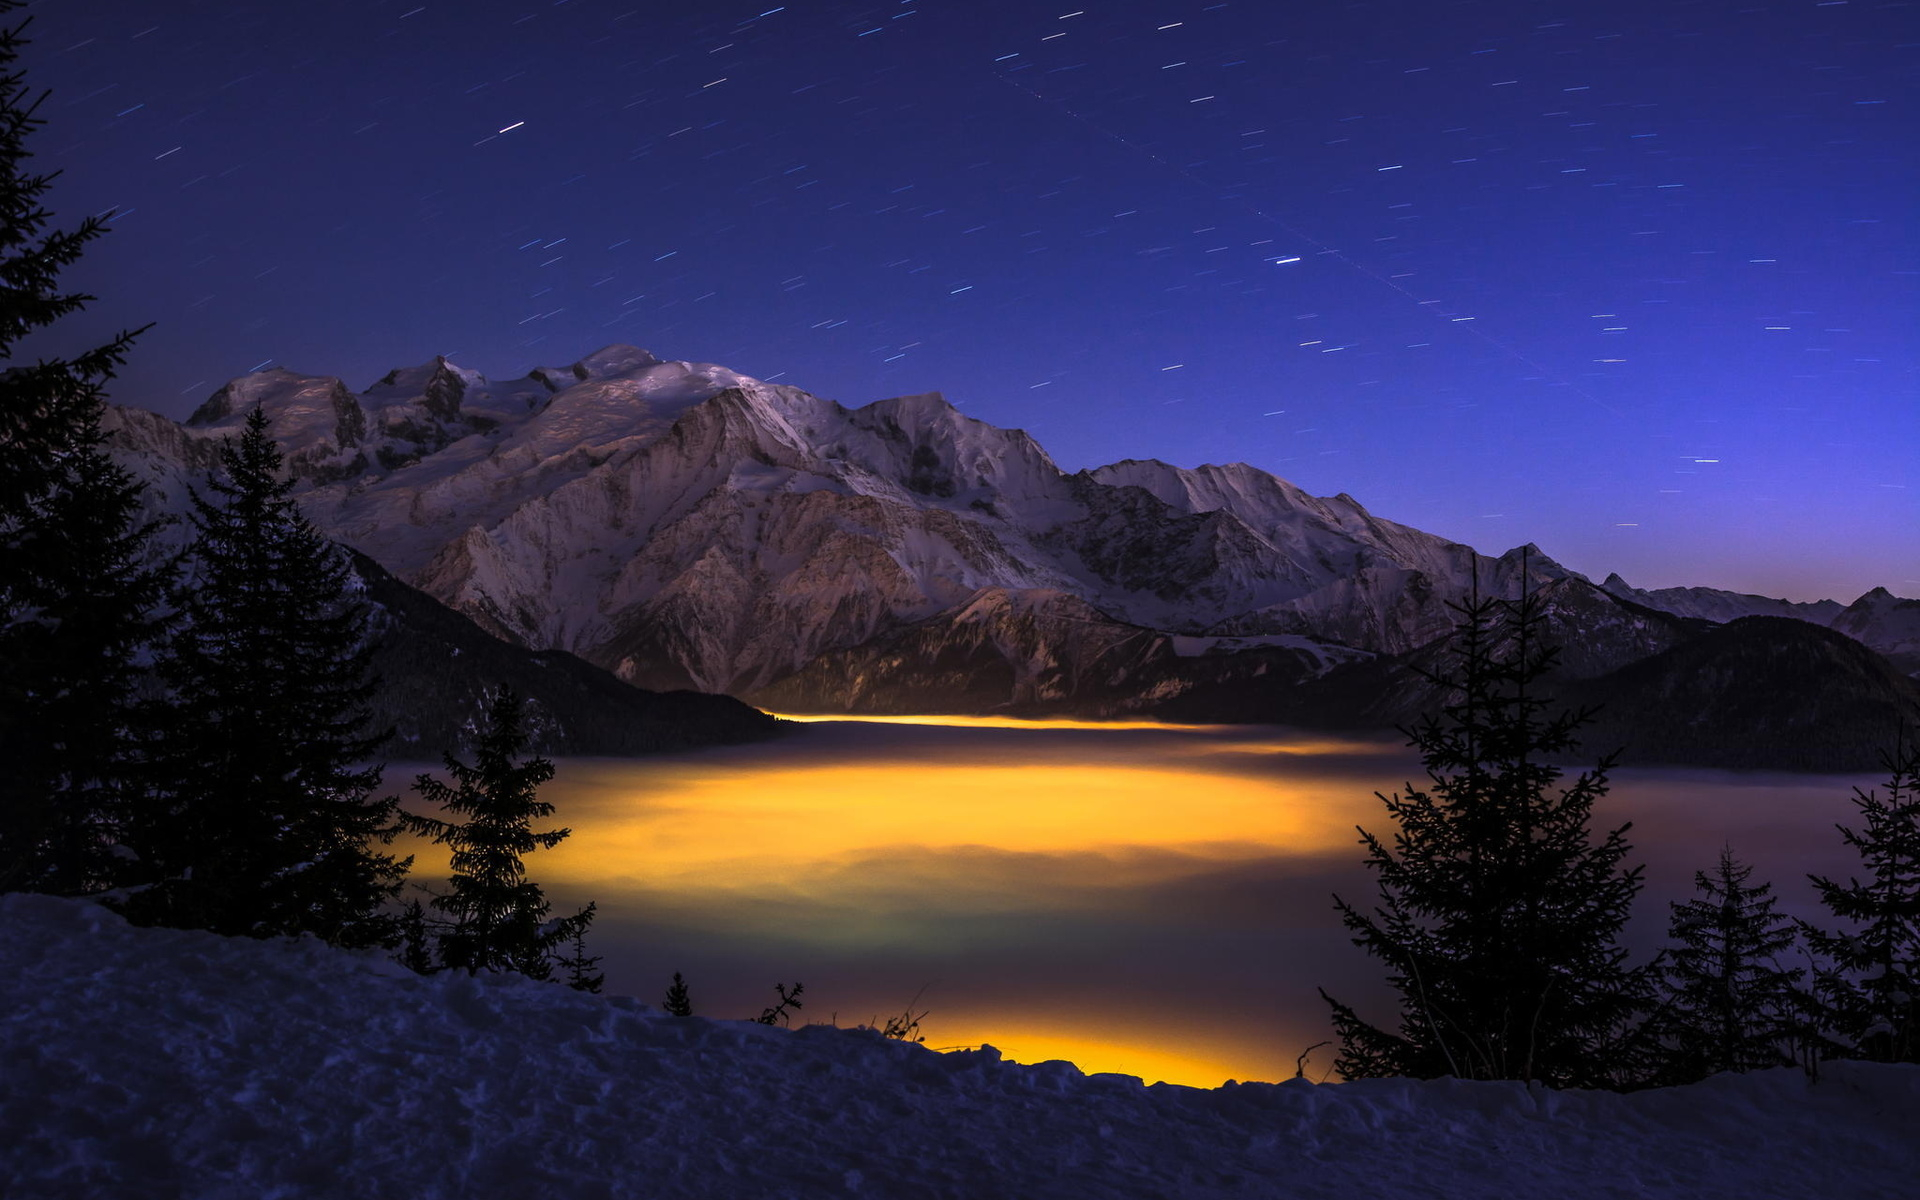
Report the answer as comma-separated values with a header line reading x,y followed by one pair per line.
x,y
434,663
1760,692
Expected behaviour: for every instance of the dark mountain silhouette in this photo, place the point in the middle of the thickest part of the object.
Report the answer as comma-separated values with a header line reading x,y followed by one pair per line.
x,y
434,664
1759,692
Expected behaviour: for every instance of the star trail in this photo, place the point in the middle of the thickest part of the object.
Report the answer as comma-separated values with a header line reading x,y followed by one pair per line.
x,y
1634,281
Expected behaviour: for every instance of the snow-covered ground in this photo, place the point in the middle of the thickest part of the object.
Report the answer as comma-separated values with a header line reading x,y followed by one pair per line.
x,y
161,1063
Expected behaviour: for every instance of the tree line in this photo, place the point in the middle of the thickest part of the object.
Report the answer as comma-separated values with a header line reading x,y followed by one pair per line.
x,y
188,735
1500,911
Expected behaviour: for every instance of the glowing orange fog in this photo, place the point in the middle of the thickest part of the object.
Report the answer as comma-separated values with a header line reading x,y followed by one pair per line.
x,y
1151,900
780,825
988,722
876,846
1244,739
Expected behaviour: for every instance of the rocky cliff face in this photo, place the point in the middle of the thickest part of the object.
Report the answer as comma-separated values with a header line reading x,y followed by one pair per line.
x,y
438,668
1888,623
686,526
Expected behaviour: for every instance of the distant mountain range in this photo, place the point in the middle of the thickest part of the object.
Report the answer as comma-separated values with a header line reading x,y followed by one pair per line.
x,y
685,526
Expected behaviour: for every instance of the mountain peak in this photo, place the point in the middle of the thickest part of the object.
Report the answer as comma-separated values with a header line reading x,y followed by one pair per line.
x,y
275,389
917,402
616,359
437,385
685,524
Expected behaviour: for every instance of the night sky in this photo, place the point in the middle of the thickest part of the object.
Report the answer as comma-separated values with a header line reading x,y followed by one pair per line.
x,y
1631,280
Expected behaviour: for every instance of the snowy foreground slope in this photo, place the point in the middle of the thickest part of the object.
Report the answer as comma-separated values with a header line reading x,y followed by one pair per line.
x,y
162,1063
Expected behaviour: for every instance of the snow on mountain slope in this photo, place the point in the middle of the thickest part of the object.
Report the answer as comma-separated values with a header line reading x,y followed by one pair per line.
x,y
688,525
1879,620
1723,606
435,665
1887,623
1316,536
154,1062
685,525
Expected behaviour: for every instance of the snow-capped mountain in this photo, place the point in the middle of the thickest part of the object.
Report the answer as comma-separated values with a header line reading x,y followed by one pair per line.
x,y
1886,622
682,523
1714,604
436,666
685,525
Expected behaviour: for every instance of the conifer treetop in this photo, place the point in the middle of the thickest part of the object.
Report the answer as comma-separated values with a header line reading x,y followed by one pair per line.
x,y
269,823
1872,983
81,587
45,407
1499,913
498,916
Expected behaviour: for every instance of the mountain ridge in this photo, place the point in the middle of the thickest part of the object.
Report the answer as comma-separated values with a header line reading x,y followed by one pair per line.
x,y
686,526
437,667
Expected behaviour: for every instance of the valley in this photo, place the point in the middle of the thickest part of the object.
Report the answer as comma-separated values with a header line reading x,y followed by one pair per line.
x,y
1151,899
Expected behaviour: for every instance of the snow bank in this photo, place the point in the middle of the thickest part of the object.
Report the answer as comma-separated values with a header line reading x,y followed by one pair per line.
x,y
162,1063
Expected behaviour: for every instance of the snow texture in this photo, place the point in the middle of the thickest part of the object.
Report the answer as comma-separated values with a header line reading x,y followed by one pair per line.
x,y
681,524
156,1063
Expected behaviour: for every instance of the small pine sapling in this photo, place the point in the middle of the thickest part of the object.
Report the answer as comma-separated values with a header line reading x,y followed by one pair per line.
x,y
415,951
782,1013
581,976
678,1003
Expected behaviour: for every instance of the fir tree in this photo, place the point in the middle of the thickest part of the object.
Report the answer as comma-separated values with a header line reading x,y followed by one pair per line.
x,y
1729,1004
497,917
77,622
416,944
1872,988
267,823
48,409
678,1003
1499,915
579,965
79,592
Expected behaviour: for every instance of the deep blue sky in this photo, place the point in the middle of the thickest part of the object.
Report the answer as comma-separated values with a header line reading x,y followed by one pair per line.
x,y
1634,280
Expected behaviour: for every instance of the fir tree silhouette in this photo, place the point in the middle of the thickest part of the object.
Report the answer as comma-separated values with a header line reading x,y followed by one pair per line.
x,y
1872,988
1730,1005
1499,917
678,1002
79,590
579,965
267,823
496,918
